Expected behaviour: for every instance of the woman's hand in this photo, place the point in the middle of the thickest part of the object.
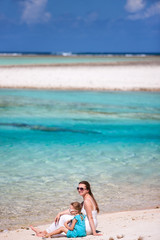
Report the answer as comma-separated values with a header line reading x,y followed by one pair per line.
x,y
60,214
57,218
97,234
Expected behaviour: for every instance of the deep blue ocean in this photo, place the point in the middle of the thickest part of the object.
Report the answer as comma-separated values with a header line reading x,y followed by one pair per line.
x,y
51,140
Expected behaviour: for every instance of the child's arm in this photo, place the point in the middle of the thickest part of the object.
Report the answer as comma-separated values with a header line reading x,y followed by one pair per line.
x,y
72,225
67,222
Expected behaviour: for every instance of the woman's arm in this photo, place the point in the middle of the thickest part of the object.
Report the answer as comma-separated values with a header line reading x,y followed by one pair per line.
x,y
60,214
72,225
88,208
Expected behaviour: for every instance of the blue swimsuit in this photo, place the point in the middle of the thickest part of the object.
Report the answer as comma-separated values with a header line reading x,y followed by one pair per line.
x,y
79,229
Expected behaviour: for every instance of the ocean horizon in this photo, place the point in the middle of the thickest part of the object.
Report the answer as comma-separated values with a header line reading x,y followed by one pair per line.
x,y
78,53
69,58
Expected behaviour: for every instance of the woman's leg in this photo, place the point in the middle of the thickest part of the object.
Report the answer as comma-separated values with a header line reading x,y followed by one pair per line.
x,y
53,226
61,222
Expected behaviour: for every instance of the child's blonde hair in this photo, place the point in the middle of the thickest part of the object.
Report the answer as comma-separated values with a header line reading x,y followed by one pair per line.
x,y
77,206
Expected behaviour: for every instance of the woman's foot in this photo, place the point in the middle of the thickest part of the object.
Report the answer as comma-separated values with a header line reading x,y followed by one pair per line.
x,y
41,234
36,230
47,236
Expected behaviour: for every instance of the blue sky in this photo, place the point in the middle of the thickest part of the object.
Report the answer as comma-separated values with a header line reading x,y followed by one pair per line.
x,y
80,25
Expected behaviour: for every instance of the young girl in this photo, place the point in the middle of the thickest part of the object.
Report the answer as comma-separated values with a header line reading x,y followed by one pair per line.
x,y
73,228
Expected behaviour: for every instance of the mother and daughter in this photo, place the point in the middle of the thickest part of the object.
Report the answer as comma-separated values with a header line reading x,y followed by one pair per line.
x,y
77,221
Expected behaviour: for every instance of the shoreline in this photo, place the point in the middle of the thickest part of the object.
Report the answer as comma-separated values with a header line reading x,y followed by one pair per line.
x,y
126,225
98,78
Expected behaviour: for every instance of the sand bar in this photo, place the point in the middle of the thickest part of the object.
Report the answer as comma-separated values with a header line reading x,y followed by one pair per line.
x,y
119,77
129,225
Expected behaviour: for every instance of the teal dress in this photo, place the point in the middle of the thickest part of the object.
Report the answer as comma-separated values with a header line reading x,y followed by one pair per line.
x,y
79,228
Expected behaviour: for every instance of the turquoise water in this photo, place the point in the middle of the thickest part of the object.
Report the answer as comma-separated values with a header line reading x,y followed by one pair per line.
x,y
51,140
46,60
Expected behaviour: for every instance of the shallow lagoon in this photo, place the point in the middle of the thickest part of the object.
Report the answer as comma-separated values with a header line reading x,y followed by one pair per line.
x,y
51,140
18,60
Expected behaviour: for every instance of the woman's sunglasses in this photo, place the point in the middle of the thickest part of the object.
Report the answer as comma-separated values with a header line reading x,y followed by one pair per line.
x,y
81,188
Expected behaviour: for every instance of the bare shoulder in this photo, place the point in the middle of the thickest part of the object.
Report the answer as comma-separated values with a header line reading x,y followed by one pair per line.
x,y
88,202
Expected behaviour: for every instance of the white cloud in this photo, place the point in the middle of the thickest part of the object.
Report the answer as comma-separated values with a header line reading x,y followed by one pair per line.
x,y
134,5
34,11
153,10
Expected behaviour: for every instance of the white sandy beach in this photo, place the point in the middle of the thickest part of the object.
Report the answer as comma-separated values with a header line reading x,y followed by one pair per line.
x,y
130,225
124,77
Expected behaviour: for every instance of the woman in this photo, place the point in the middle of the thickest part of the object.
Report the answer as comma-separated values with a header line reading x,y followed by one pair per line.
x,y
89,208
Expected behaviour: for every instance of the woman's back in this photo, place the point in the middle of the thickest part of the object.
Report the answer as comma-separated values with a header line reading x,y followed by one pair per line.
x,y
94,215
94,211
